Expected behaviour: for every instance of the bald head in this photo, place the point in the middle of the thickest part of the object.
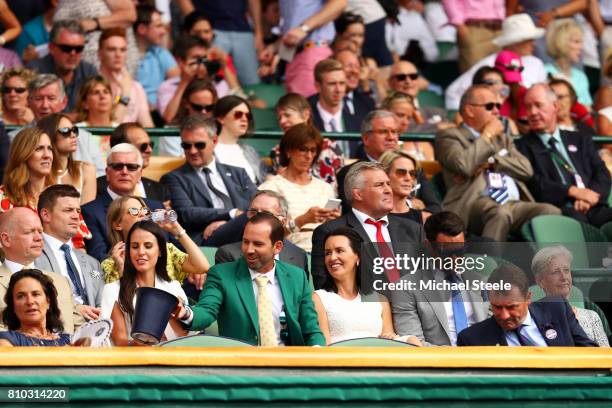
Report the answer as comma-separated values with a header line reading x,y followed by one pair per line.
x,y
400,79
542,108
21,235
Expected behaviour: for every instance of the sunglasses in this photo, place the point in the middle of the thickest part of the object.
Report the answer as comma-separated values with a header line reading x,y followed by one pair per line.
x,y
67,131
8,89
133,211
198,145
402,77
69,48
513,68
120,166
492,82
200,108
144,146
239,114
402,172
488,106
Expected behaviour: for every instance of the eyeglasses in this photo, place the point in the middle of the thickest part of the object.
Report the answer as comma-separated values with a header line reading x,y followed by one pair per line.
x,y
516,68
402,77
488,106
392,132
306,150
133,211
67,131
120,166
251,212
403,172
144,146
8,89
69,48
198,145
492,82
200,108
238,115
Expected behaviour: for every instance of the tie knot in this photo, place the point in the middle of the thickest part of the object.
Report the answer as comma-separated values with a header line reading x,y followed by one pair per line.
x,y
65,247
377,224
552,142
206,170
262,280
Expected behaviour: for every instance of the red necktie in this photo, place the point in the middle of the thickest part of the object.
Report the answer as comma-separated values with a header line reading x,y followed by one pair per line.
x,y
383,249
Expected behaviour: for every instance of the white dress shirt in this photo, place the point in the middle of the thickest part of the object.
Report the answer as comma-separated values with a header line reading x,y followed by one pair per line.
x,y
16,267
217,181
327,117
530,331
55,245
276,297
138,188
448,308
371,229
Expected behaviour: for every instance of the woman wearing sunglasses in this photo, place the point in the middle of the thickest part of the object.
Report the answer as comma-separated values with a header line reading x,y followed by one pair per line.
x,y
14,87
235,119
67,170
125,212
510,65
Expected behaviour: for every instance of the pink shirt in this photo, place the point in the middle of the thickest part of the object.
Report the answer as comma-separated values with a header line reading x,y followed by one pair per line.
x,y
459,11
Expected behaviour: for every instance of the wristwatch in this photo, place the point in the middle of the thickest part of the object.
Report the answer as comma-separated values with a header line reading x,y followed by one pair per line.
x,y
292,226
305,28
124,100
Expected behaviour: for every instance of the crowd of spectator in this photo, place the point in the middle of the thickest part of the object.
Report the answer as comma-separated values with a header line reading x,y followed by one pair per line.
x,y
525,89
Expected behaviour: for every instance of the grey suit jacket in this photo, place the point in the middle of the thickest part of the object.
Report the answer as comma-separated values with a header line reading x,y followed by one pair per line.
x,y
421,313
91,270
462,155
70,315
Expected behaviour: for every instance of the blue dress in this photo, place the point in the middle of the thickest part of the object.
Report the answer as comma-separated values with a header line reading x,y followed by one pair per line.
x,y
18,339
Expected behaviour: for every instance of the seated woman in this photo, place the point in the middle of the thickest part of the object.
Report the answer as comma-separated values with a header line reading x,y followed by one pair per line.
x,y
306,195
551,267
67,170
572,115
402,170
145,266
122,214
32,314
235,119
14,86
292,109
343,313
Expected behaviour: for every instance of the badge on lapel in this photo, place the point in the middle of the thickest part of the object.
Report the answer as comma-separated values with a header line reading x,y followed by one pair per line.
x,y
572,148
551,334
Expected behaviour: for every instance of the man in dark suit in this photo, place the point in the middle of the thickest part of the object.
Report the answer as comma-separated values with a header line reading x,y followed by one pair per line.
x,y
205,193
567,170
264,201
59,207
258,299
329,112
518,322
369,193
134,134
357,102
123,173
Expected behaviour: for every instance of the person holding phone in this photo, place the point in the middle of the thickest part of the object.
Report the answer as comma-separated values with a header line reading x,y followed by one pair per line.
x,y
307,196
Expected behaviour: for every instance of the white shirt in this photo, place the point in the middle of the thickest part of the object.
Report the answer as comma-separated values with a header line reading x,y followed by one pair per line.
x,y
139,188
370,10
55,245
533,73
217,181
327,117
233,155
448,308
16,267
412,26
371,229
529,330
276,297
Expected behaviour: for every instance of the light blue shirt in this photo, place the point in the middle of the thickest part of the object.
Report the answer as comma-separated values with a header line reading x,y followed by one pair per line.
x,y
530,331
577,78
152,71
295,12
545,137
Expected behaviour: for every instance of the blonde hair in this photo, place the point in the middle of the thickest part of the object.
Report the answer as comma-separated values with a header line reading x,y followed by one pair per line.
x,y
116,210
558,36
387,158
17,173
26,74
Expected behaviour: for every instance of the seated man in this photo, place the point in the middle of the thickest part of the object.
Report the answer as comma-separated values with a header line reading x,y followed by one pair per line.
x,y
484,172
135,135
436,317
568,171
123,176
59,209
245,296
204,192
22,243
264,201
517,321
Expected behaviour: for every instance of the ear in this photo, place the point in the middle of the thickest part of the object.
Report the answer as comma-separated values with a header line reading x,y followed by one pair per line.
x,y
64,103
528,299
5,239
141,29
318,86
45,216
278,247
357,195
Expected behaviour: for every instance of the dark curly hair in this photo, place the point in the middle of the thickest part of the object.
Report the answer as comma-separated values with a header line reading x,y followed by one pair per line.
x,y
53,319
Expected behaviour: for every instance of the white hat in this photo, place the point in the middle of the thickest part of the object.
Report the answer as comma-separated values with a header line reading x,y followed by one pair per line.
x,y
517,28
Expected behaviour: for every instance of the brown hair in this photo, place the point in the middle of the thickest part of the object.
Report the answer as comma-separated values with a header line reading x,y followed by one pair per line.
x,y
115,211
297,137
84,92
111,32
49,124
326,65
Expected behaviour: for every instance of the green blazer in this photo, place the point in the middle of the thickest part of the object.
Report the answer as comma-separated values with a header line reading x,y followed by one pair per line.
x,y
228,298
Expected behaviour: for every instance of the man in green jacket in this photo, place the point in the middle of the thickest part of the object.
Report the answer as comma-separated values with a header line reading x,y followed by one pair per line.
x,y
258,299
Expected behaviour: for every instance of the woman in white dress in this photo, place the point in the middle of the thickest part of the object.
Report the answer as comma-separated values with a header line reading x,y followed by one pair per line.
x,y
145,266
551,267
342,311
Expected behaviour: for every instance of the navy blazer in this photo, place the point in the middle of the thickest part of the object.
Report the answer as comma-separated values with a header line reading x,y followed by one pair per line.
x,y
549,313
546,185
192,201
94,214
352,123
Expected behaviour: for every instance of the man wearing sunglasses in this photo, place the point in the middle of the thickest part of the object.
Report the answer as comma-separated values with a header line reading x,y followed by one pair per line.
x,y
123,177
484,173
66,43
205,193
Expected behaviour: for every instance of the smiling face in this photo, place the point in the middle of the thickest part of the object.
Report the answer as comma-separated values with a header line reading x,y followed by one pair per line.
x,y
41,159
236,121
340,259
144,251
127,219
402,182
63,144
556,280
30,302
352,69
257,247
